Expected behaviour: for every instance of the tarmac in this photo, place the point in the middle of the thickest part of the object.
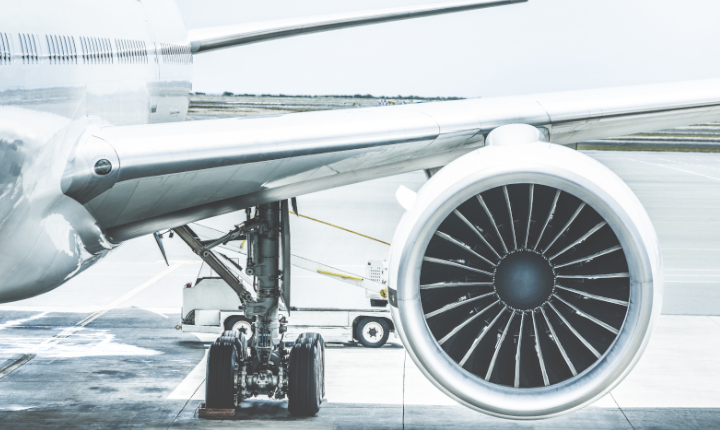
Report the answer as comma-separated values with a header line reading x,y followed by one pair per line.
x,y
102,351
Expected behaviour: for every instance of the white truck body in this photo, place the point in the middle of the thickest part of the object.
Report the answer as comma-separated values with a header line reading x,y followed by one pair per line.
x,y
210,303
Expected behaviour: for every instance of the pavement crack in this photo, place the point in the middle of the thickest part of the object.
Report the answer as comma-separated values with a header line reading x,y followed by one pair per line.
x,y
716,322
403,401
622,411
185,405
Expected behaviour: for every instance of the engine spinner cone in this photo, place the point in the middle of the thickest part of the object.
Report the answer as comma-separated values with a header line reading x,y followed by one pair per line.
x,y
524,279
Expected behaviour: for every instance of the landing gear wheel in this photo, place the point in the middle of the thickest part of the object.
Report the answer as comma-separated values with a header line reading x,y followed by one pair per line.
x,y
222,371
306,375
240,323
372,332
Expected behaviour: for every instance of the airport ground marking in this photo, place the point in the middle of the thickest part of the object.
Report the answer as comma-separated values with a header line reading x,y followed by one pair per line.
x,y
192,382
675,168
44,346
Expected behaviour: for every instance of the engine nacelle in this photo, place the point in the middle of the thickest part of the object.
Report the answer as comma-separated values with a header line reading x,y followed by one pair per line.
x,y
527,278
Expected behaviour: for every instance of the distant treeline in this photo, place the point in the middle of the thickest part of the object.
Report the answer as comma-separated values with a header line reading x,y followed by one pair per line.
x,y
355,96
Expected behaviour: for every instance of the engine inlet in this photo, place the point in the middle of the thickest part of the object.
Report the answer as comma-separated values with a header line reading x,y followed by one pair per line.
x,y
526,279
524,285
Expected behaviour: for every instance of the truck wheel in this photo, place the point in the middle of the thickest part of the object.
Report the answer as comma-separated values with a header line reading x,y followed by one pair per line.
x,y
221,375
242,324
372,332
306,375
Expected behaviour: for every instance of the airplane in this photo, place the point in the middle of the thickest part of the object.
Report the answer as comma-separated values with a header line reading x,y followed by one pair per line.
x,y
524,277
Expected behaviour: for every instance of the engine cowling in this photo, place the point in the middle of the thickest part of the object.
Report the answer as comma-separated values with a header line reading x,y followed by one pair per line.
x,y
536,316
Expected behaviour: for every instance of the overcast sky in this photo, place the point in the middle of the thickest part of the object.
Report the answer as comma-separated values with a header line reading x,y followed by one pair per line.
x,y
542,45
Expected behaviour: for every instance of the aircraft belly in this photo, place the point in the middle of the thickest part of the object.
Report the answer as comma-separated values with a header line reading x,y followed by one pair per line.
x,y
45,236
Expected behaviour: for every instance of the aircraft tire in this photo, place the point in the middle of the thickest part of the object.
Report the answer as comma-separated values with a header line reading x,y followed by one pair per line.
x,y
221,369
306,375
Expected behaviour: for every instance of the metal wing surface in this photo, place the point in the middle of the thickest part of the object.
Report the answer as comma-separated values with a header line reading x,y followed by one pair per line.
x,y
212,38
166,175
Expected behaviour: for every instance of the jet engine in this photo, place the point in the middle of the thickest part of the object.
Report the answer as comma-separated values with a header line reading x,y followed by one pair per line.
x,y
525,277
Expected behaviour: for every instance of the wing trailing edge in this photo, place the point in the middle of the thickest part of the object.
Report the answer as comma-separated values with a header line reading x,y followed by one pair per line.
x,y
212,38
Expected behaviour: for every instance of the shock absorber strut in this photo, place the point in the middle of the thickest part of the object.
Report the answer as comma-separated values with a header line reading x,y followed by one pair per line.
x,y
266,265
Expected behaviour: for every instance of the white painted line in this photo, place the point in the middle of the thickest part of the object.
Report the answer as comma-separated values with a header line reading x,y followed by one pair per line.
x,y
44,346
15,323
702,165
155,312
675,168
692,282
690,249
14,408
189,386
164,311
692,270
200,392
136,290
49,309
198,261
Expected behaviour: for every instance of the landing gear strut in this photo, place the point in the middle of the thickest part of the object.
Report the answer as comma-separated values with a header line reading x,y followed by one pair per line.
x,y
237,368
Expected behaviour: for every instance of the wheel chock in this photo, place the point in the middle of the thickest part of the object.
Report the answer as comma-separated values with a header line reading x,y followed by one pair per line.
x,y
204,412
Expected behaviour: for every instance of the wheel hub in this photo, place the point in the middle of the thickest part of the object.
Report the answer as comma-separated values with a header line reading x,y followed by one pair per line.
x,y
372,331
524,279
244,328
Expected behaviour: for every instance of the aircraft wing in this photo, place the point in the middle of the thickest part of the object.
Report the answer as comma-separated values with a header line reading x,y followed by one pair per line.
x,y
212,38
167,175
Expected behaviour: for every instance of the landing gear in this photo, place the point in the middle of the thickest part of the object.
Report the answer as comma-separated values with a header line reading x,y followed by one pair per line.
x,y
306,387
372,332
250,358
224,357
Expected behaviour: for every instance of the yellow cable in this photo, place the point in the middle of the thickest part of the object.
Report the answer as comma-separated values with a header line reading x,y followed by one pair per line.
x,y
339,275
341,228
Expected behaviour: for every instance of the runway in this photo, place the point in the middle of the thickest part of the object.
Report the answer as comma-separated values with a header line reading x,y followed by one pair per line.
x,y
102,351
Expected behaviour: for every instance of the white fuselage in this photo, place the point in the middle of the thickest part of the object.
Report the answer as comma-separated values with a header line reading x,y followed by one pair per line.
x,y
66,66
127,62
